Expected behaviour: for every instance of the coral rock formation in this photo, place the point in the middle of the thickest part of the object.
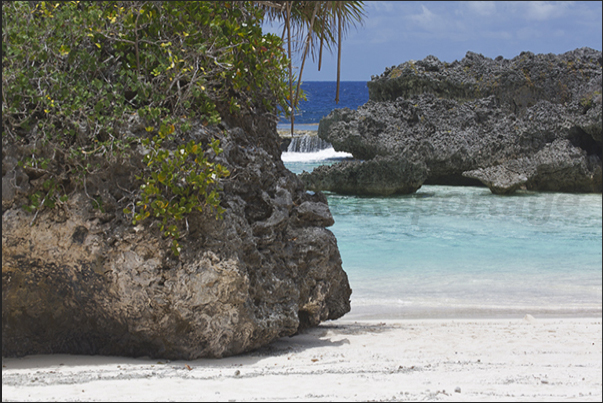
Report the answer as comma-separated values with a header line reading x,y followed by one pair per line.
x,y
85,281
471,121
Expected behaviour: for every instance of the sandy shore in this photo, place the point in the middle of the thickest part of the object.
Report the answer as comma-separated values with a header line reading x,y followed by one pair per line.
x,y
447,360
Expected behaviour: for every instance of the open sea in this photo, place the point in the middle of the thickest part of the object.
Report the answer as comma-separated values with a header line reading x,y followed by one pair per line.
x,y
458,252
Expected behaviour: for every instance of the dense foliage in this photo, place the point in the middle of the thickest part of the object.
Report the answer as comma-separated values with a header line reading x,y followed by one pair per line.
x,y
74,74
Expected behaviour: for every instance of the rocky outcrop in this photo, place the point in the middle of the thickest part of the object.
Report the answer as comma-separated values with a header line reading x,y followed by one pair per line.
x,y
465,120
505,178
383,176
81,279
559,165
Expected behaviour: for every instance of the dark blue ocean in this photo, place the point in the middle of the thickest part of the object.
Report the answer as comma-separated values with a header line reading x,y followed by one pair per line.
x,y
320,101
458,251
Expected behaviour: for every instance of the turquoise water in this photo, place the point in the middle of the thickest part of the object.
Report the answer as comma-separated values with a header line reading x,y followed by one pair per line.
x,y
464,252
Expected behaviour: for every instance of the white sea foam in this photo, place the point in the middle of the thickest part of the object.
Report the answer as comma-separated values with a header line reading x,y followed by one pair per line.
x,y
321,155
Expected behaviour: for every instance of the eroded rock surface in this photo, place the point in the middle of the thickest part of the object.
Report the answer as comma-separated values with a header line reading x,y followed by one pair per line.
x,y
83,280
559,165
383,176
473,116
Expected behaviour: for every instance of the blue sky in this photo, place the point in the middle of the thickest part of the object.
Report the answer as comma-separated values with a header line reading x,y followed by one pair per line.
x,y
394,32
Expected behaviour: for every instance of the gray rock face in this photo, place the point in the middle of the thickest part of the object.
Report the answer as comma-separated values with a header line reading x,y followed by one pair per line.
x,y
85,281
473,116
559,163
505,178
379,176
517,83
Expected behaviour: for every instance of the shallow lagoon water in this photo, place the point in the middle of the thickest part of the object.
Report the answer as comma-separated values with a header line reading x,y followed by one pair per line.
x,y
458,251
464,252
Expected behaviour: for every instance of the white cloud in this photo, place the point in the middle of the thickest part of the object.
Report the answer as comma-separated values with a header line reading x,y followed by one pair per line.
x,y
379,6
545,10
483,8
394,32
425,19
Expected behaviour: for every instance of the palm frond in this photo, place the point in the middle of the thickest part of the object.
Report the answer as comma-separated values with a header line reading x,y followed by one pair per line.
x,y
308,27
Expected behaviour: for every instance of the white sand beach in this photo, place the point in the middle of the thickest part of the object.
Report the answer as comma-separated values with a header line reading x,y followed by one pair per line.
x,y
441,359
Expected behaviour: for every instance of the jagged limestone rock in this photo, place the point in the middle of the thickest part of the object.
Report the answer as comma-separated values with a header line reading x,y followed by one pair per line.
x,y
85,281
499,179
379,176
474,115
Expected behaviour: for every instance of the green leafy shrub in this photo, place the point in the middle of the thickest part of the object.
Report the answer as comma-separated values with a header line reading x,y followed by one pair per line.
x,y
74,73
587,101
178,182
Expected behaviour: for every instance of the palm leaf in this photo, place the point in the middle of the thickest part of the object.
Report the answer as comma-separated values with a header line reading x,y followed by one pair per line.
x,y
309,26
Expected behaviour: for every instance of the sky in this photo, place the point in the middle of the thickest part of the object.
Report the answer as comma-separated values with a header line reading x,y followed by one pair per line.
x,y
394,32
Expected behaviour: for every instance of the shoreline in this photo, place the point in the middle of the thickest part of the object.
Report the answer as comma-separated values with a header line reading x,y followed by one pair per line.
x,y
300,129
286,134
386,313
405,359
